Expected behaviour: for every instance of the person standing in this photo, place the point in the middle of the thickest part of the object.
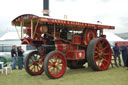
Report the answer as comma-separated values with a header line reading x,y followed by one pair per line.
x,y
127,58
20,58
124,53
127,63
116,50
13,54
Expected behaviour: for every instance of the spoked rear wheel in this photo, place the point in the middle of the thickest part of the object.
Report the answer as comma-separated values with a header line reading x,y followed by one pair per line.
x,y
34,64
99,54
55,64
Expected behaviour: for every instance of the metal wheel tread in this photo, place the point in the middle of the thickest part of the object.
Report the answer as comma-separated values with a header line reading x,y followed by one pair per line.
x,y
91,56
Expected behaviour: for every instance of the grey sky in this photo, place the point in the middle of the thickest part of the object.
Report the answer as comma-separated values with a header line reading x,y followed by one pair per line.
x,y
109,12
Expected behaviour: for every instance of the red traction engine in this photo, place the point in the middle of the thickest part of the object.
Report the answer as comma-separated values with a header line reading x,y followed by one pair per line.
x,y
61,44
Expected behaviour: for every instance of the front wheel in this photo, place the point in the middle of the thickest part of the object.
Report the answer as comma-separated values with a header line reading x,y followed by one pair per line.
x,y
34,63
99,54
55,64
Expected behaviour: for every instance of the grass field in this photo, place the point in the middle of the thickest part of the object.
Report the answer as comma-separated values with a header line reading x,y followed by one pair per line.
x,y
85,76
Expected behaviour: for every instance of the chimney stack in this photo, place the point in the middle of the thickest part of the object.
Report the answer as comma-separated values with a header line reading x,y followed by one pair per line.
x,y
45,7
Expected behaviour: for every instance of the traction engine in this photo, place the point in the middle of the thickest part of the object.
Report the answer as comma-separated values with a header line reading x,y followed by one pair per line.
x,y
61,44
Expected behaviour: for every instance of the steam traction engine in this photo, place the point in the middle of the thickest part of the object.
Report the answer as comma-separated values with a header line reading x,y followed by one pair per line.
x,y
62,43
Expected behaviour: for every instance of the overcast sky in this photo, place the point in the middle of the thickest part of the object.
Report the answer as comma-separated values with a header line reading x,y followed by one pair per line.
x,y
109,12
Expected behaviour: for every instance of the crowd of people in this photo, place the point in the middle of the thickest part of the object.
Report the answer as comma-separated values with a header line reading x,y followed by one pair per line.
x,y
123,49
17,52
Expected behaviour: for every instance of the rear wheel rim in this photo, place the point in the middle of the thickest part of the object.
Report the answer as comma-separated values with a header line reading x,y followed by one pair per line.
x,y
35,63
56,65
102,54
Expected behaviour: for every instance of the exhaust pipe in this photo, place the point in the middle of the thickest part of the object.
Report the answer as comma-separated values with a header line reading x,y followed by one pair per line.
x,y
45,7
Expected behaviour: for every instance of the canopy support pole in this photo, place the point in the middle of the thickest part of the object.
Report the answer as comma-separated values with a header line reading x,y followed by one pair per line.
x,y
36,28
54,31
21,24
31,29
17,32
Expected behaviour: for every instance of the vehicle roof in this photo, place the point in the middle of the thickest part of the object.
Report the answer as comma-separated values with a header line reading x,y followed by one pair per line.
x,y
26,18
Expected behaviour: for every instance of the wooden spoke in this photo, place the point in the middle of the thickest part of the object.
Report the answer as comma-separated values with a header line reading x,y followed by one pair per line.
x,y
106,54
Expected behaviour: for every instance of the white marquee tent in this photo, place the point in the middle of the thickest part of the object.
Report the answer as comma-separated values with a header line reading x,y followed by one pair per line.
x,y
10,36
112,37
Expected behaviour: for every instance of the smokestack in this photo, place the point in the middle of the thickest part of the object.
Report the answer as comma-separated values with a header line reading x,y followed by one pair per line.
x,y
45,7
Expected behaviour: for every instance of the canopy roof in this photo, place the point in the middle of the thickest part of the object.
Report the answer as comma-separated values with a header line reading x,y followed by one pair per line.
x,y
26,19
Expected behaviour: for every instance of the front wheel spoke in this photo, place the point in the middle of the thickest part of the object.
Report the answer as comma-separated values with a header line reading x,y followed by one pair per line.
x,y
38,68
53,70
59,66
32,68
35,69
41,61
30,65
35,58
31,60
51,61
50,64
59,61
50,67
55,58
58,70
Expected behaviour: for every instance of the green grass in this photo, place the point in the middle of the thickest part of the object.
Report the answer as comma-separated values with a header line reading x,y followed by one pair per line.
x,y
86,76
